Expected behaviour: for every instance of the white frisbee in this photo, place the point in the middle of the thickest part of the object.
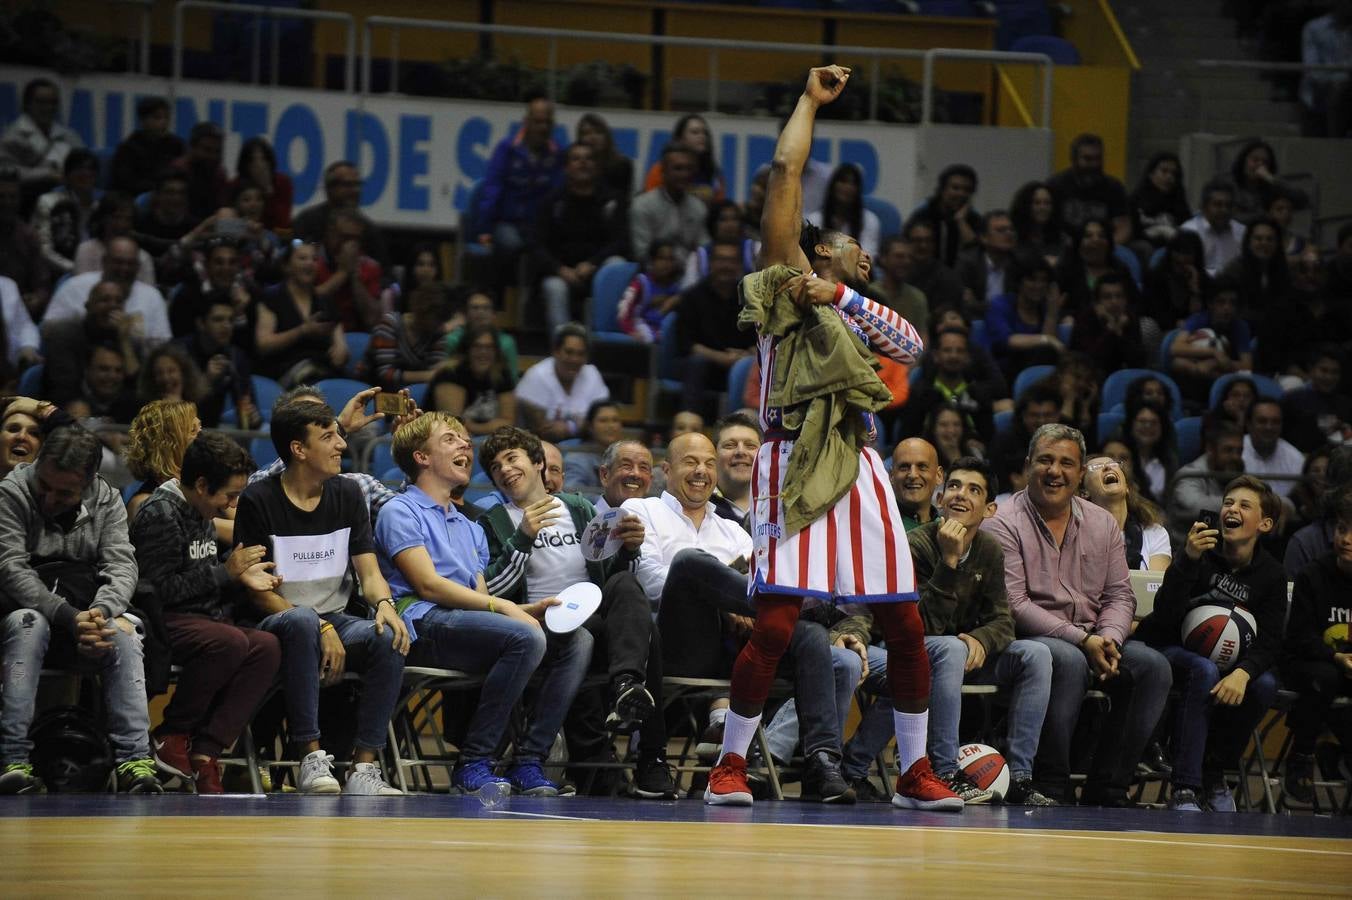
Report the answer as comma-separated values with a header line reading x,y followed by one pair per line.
x,y
576,604
598,539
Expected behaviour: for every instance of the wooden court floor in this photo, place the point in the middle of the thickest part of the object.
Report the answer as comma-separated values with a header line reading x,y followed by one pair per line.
x,y
440,847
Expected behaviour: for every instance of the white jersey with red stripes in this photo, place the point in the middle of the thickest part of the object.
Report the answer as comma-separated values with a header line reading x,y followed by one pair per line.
x,y
857,552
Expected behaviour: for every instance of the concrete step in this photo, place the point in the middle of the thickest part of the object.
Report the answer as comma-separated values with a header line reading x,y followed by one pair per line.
x,y
1174,126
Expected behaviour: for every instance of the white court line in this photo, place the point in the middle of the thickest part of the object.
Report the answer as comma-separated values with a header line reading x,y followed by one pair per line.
x,y
511,812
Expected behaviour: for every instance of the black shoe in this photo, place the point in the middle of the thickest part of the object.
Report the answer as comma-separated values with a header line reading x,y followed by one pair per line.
x,y
1299,781
822,780
652,780
1022,793
865,791
1155,761
633,704
139,776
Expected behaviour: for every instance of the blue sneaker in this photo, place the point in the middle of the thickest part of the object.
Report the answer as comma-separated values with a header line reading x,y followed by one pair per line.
x,y
469,777
1221,799
528,778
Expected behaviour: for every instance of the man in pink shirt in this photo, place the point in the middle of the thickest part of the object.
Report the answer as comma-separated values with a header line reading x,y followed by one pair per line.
x,y
1067,580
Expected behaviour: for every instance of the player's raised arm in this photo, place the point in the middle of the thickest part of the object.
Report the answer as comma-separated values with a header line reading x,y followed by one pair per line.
x,y
782,217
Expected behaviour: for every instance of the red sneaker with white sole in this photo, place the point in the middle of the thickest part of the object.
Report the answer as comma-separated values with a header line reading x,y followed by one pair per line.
x,y
727,783
171,754
920,788
207,776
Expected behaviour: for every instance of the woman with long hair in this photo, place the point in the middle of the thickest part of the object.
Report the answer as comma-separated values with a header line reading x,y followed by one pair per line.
x,y
1037,220
257,165
693,132
845,211
1148,433
169,373
615,170
1146,540
158,436
478,389
1022,321
1234,401
1254,175
298,335
1159,205
1261,270
948,430
1090,258
1176,285
424,267
1149,389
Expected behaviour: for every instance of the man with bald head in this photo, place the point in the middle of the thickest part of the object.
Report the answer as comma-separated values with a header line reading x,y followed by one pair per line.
x,y
626,473
916,476
553,473
120,262
693,567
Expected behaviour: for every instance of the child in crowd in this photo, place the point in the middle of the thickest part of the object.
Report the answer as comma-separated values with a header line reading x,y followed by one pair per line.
x,y
1215,714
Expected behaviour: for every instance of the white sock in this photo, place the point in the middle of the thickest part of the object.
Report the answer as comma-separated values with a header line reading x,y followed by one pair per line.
x,y
737,734
718,715
912,732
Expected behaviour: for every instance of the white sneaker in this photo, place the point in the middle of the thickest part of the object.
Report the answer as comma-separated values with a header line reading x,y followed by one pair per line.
x,y
365,780
316,774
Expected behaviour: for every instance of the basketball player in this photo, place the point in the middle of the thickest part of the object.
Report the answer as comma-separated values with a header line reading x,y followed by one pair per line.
x,y
855,552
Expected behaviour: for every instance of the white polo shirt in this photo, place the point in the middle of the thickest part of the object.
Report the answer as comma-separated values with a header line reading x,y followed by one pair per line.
x,y
1285,460
146,301
667,530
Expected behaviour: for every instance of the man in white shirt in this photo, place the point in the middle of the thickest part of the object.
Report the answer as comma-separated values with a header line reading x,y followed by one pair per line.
x,y
553,396
120,263
693,567
626,473
1266,453
1222,236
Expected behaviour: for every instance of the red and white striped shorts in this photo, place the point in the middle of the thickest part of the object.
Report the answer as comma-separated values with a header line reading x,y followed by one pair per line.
x,y
855,553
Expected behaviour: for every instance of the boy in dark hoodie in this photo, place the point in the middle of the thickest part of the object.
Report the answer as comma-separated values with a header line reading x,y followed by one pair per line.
x,y
1318,661
226,669
1215,713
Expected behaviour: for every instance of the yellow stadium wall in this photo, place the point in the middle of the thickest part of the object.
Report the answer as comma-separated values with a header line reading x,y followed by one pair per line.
x,y
1084,98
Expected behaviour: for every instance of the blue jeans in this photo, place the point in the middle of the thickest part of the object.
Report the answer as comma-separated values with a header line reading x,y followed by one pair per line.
x,y
480,642
782,732
698,591
1138,694
1024,668
371,654
26,637
566,659
1204,730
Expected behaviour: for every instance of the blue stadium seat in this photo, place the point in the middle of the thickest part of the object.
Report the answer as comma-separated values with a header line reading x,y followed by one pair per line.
x,y
668,363
1115,388
1266,386
889,217
1004,422
382,458
980,336
607,289
130,491
1062,51
30,382
1029,377
1128,258
419,394
1188,437
737,376
1108,425
337,391
357,342
262,451
1166,347
265,394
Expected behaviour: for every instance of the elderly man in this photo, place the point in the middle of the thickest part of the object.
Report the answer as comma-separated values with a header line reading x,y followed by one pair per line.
x,y
120,263
916,475
1068,587
693,567
626,473
524,168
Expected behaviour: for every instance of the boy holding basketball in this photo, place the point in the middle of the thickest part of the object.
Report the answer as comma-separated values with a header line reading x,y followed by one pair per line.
x,y
1218,709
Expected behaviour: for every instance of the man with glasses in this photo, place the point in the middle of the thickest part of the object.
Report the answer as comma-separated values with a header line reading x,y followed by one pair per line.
x,y
1069,589
342,191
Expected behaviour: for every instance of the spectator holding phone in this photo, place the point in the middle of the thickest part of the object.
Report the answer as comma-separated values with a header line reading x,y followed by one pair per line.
x,y
298,336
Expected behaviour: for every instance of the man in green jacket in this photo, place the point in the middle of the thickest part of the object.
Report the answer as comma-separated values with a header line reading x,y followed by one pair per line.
x,y
534,552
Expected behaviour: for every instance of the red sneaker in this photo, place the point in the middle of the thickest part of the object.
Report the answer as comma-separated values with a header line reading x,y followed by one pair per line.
x,y
207,775
171,754
727,783
920,788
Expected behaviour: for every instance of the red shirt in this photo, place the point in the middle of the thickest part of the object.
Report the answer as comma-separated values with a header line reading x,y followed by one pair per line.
x,y
349,316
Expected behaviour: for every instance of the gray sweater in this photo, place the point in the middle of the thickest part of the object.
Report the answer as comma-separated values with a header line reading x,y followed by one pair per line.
x,y
98,537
